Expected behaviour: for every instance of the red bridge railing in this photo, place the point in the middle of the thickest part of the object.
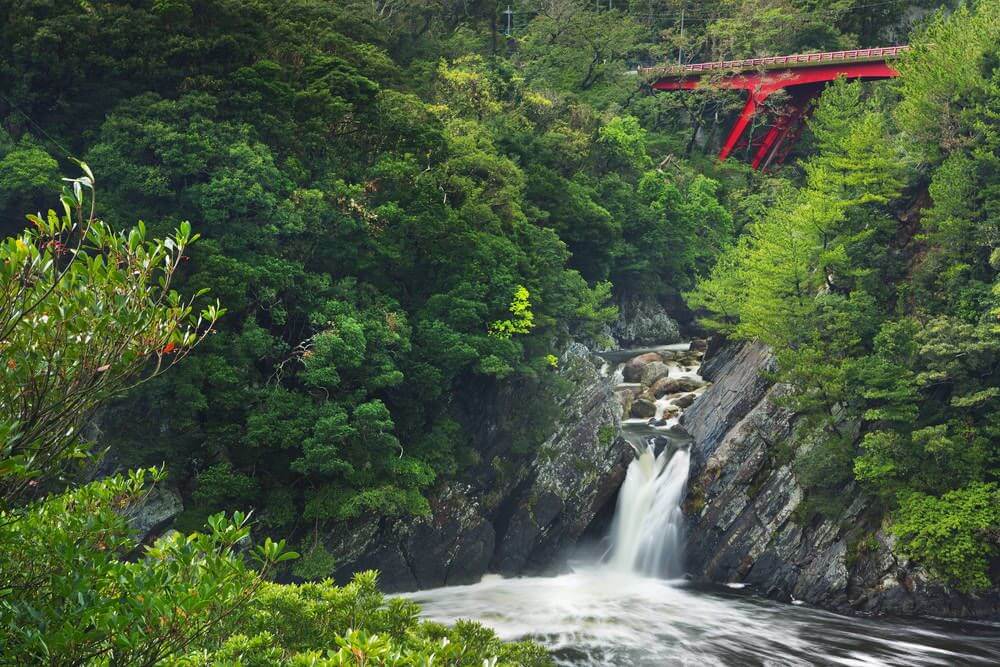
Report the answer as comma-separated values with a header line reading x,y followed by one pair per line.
x,y
778,62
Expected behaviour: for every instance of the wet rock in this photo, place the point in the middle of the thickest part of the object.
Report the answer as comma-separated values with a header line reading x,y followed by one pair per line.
x,y
625,399
643,408
657,388
395,574
699,345
677,386
657,422
653,372
533,516
452,546
572,477
632,372
742,504
684,401
691,360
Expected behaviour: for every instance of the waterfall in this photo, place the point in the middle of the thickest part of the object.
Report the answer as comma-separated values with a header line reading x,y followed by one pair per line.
x,y
647,531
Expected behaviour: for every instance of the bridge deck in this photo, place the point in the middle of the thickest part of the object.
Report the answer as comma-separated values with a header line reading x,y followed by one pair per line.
x,y
881,53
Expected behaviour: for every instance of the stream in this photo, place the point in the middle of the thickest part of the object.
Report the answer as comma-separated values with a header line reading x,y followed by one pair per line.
x,y
632,605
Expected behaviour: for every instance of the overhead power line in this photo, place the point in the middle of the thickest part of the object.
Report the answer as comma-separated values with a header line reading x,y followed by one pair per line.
x,y
708,16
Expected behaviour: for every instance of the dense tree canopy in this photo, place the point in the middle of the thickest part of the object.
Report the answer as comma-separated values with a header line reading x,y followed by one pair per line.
x,y
886,322
401,205
390,209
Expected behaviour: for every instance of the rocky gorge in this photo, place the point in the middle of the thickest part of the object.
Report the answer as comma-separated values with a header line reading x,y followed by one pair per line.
x,y
524,513
511,514
742,502
521,514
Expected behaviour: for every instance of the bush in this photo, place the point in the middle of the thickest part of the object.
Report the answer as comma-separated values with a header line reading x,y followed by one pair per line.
x,y
955,535
325,625
71,595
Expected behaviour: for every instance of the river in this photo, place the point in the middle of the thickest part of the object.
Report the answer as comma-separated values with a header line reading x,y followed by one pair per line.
x,y
632,606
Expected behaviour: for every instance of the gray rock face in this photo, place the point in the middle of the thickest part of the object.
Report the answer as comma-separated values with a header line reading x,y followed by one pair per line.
x,y
163,504
511,515
644,322
741,506
452,546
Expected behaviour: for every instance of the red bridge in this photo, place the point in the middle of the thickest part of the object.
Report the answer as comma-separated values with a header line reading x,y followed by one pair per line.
x,y
803,76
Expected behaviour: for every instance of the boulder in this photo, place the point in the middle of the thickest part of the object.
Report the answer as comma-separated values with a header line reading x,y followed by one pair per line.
x,y
653,372
658,387
699,345
643,408
685,401
633,367
689,360
677,386
625,398
632,388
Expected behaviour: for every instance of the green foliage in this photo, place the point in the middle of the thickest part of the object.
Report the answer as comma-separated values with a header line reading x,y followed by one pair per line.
x,y
944,73
85,314
315,564
27,172
623,139
886,330
77,586
321,624
522,319
571,47
952,534
70,596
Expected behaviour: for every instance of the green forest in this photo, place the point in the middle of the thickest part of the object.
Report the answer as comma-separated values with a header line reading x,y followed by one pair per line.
x,y
296,239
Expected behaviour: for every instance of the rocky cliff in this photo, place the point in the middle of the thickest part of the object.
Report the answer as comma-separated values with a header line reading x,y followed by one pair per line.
x,y
742,501
514,512
644,321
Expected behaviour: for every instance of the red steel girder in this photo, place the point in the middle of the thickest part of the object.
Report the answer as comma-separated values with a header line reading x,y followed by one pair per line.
x,y
803,82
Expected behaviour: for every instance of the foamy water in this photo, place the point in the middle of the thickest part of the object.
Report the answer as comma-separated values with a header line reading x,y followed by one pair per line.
x,y
647,533
600,616
634,609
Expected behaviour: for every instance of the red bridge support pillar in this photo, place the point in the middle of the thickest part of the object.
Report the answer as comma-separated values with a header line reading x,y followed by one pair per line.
x,y
789,122
802,75
749,111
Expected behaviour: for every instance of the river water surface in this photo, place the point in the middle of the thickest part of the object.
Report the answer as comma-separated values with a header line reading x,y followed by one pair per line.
x,y
598,615
632,606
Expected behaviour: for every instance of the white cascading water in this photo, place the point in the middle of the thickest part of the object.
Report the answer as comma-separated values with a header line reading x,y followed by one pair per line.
x,y
630,610
648,527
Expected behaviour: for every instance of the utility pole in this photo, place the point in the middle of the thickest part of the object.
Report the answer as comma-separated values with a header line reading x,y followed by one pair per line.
x,y
510,15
